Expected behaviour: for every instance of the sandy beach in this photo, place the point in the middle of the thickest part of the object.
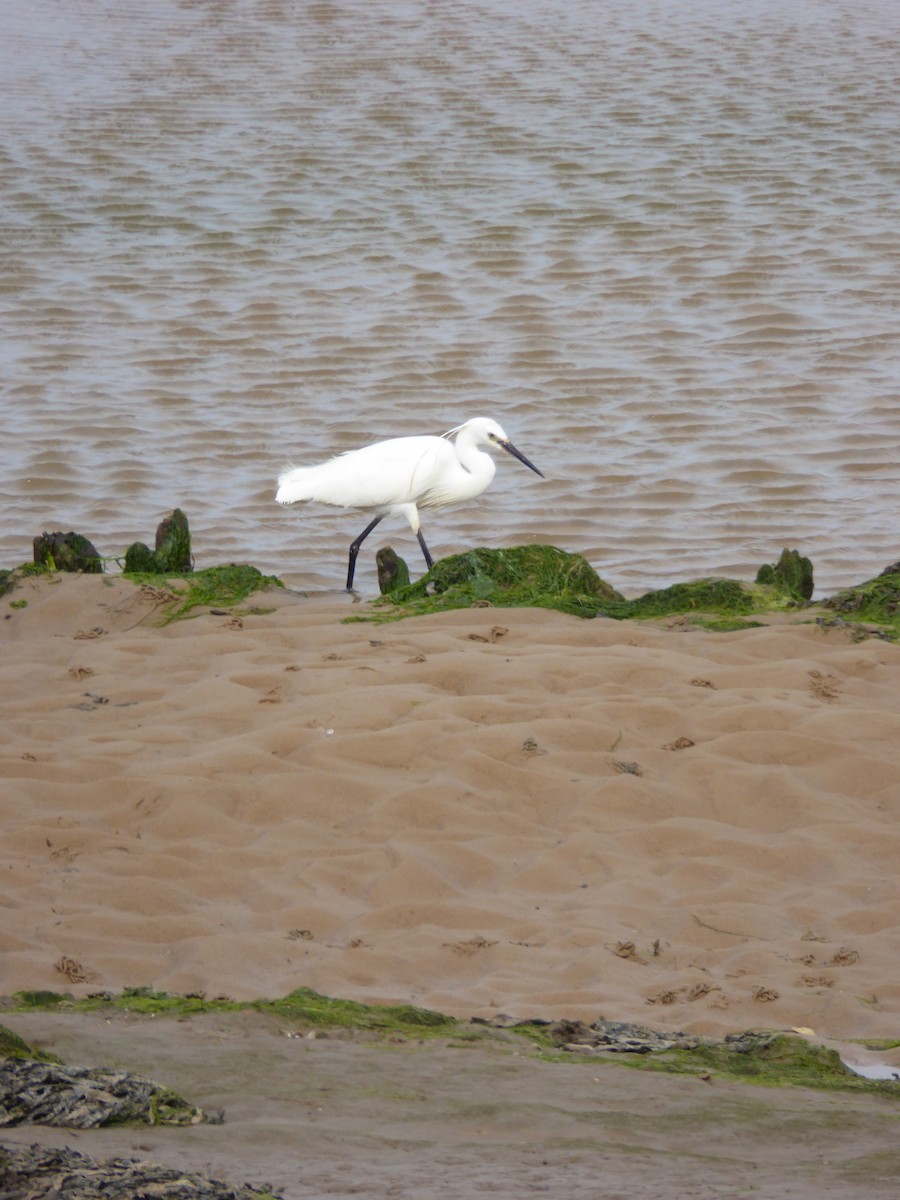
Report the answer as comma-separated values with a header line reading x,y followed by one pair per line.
x,y
478,812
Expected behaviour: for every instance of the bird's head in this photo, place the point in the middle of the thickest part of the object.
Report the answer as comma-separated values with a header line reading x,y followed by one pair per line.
x,y
484,431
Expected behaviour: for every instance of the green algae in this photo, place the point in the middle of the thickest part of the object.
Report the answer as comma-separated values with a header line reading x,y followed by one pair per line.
x,y
311,1008
726,597
42,999
13,1046
772,1060
876,601
10,576
547,577
303,1005
792,574
517,577
768,1059
214,587
172,553
179,594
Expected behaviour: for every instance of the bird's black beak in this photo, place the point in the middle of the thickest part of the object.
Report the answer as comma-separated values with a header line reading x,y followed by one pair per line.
x,y
520,456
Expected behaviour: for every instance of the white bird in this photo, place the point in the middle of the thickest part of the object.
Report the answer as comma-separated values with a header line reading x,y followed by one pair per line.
x,y
402,475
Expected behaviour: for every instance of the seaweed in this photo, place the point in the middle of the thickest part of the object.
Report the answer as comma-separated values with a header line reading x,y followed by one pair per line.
x,y
877,600
792,574
518,577
767,1058
172,553
770,1059
547,577
309,1006
13,1046
213,587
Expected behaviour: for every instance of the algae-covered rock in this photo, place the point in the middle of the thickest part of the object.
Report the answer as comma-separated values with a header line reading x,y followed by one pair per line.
x,y
173,549
67,552
393,573
518,577
876,600
12,1046
139,560
35,1171
792,574
44,1093
727,596
213,587
173,542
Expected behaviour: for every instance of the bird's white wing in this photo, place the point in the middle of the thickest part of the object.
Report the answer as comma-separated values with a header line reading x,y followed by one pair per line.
x,y
379,477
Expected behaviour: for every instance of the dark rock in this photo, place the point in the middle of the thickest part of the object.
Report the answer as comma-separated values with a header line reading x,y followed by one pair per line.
x,y
748,1042
172,555
393,572
67,552
44,1093
792,574
173,543
622,1037
39,1172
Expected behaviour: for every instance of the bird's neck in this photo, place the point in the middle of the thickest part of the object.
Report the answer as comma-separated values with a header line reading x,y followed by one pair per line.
x,y
478,463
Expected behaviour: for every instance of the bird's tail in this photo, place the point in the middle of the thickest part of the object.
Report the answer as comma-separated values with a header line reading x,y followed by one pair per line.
x,y
293,485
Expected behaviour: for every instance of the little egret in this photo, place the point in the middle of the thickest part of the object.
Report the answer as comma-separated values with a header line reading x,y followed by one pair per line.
x,y
402,475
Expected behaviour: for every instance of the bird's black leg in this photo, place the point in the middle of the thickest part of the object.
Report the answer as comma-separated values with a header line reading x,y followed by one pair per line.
x,y
428,557
354,550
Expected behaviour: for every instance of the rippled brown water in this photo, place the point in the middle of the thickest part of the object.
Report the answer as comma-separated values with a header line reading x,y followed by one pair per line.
x,y
658,242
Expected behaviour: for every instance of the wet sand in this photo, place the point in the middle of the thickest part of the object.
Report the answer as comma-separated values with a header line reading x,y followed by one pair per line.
x,y
343,1116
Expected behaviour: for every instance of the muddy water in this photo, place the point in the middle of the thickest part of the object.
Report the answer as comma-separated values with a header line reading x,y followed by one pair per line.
x,y
658,242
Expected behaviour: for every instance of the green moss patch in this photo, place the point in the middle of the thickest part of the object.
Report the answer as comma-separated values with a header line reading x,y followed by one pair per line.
x,y
42,999
311,1008
518,577
547,577
173,549
722,596
771,1059
792,574
214,587
877,600
13,1046
774,1060
303,1005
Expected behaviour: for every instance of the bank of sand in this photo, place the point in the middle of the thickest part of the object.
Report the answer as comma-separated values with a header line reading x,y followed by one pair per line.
x,y
482,811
